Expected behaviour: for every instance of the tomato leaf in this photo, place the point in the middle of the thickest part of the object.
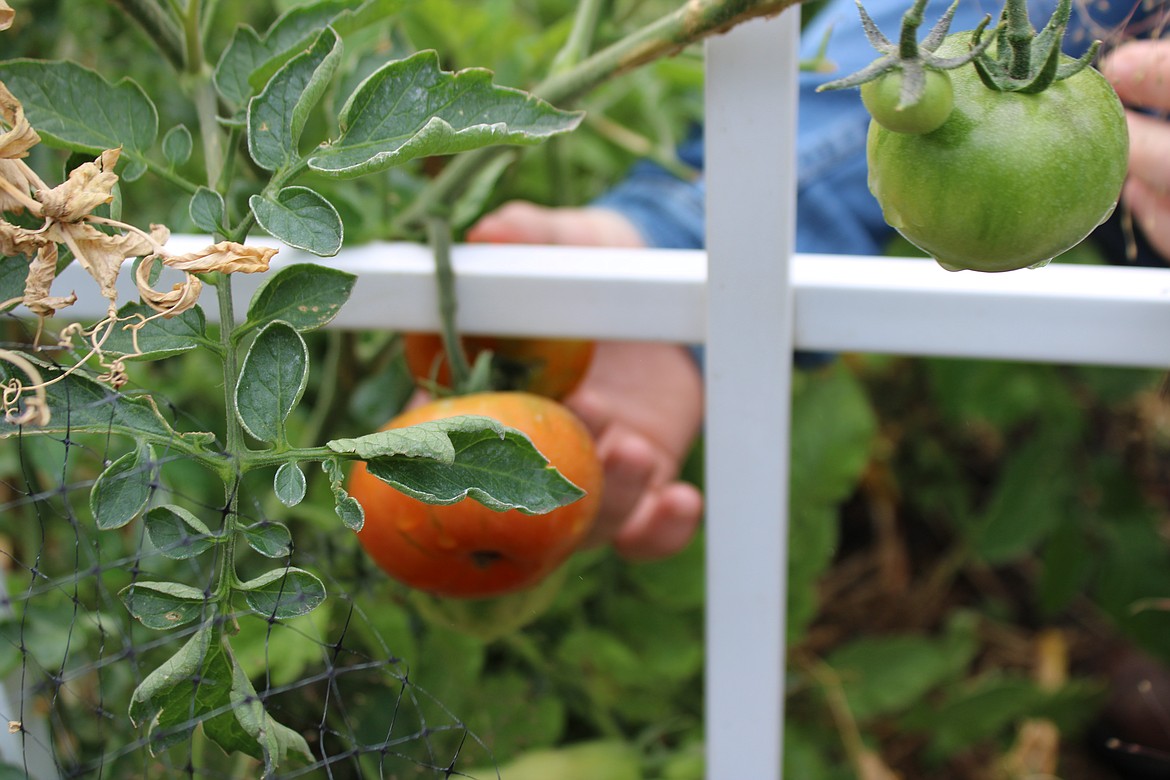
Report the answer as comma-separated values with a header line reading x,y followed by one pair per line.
x,y
410,108
177,145
270,539
163,605
207,210
121,491
887,674
277,115
177,533
301,218
82,405
445,461
284,593
306,296
167,684
250,59
346,506
272,380
289,484
159,337
76,108
240,721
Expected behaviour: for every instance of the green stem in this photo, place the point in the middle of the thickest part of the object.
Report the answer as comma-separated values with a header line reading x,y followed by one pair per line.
x,y
439,236
672,33
170,176
1019,35
580,40
159,26
203,95
233,439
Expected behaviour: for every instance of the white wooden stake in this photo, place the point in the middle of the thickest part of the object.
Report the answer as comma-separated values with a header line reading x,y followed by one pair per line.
x,y
750,115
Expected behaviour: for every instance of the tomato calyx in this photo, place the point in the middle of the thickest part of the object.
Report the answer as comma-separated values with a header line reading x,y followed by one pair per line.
x,y
1026,61
910,58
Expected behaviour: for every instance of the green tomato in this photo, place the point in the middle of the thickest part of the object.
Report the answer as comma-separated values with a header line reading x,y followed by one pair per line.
x,y
1010,180
881,97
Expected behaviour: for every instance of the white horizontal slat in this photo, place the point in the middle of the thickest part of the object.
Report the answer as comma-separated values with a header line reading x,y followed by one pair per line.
x,y
1106,315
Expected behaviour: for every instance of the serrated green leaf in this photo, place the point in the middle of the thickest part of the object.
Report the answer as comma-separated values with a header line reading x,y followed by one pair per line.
x,y
410,108
163,605
121,491
272,380
272,540
76,108
177,533
352,515
289,484
207,210
13,272
887,674
277,116
284,593
301,218
177,145
149,698
81,405
160,337
251,59
306,296
446,461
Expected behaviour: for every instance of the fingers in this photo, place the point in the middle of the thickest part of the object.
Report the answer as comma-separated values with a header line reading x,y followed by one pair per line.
x,y
663,523
1150,206
630,465
644,513
1140,73
521,222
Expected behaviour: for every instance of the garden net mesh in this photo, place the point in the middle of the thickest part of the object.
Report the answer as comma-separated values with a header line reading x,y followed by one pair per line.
x,y
83,640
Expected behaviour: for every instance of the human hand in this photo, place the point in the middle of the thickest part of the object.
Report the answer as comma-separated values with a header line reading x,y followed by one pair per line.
x,y
1140,72
642,401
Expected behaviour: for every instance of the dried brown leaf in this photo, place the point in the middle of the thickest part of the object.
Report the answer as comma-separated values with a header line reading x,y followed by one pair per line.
x,y
6,15
20,137
17,182
41,273
20,241
174,301
226,257
89,185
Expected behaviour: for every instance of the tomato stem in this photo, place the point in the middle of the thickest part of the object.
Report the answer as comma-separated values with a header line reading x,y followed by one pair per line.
x,y
439,237
1018,33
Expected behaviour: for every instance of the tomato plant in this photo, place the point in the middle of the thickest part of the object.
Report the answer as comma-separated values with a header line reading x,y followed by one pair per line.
x,y
548,367
468,550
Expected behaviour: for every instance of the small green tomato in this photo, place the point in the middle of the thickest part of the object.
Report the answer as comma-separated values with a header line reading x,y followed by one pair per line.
x,y
882,98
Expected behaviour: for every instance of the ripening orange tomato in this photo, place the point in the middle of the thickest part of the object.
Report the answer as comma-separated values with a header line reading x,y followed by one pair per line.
x,y
466,550
548,367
